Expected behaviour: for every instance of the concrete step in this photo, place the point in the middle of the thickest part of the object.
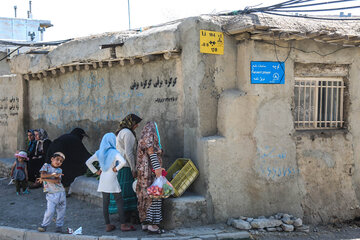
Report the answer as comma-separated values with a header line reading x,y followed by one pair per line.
x,y
186,211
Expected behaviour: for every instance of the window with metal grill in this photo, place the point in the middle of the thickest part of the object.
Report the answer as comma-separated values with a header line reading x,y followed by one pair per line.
x,y
319,103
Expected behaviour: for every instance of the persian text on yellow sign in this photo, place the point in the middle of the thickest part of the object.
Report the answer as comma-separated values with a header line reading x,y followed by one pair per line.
x,y
211,42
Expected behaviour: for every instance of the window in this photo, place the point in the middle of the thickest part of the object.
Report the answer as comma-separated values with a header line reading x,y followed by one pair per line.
x,y
319,103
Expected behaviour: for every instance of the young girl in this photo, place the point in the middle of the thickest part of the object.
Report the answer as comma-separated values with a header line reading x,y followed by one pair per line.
x,y
111,162
19,172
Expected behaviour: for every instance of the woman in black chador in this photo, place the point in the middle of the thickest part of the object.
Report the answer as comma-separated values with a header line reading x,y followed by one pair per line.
x,y
76,154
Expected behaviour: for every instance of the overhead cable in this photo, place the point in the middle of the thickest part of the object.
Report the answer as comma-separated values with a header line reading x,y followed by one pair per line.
x,y
32,44
292,6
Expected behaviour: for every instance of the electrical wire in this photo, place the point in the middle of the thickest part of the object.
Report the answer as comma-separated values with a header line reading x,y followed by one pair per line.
x,y
307,52
10,53
317,4
317,10
290,7
315,18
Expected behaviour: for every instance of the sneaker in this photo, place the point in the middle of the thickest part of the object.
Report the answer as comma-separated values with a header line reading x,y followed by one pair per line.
x,y
26,191
42,229
58,229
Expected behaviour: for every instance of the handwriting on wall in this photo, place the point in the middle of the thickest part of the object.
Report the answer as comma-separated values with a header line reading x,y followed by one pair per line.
x,y
86,98
273,163
158,83
167,99
9,106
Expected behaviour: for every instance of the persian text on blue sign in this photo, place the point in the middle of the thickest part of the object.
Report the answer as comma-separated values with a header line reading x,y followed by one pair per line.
x,y
267,72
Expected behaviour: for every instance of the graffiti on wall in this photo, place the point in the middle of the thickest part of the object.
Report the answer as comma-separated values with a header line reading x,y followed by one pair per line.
x,y
9,106
86,98
273,163
167,99
158,83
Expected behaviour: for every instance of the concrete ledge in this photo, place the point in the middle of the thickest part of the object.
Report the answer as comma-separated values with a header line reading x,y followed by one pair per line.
x,y
77,237
233,235
10,233
115,238
187,211
85,188
32,235
5,166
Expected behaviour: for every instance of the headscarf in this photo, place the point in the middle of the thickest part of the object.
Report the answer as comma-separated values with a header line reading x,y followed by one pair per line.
x,y
79,132
40,143
31,131
107,151
42,134
31,143
129,122
149,137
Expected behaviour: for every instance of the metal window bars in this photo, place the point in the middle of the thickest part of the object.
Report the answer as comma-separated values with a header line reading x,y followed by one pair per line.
x,y
319,103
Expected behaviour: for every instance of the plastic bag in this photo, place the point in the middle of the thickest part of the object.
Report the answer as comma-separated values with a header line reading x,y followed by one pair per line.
x,y
76,232
161,188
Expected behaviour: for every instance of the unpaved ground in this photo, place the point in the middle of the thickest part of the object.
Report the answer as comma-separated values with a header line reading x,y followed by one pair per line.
x,y
26,211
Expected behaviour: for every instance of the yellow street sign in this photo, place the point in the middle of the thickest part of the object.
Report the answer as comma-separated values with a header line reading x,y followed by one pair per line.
x,y
211,42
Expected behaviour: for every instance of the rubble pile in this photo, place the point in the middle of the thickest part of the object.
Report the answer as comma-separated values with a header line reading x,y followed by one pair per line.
x,y
280,222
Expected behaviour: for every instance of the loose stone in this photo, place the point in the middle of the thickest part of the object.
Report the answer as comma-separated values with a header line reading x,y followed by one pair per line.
x,y
287,220
271,229
249,219
279,229
264,223
229,221
297,222
303,228
241,224
287,227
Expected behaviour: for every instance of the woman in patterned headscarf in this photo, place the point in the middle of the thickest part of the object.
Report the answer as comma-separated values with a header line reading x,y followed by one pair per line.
x,y
148,158
38,159
126,144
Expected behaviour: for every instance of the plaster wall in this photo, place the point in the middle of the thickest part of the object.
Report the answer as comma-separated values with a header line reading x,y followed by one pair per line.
x,y
97,100
260,164
11,109
4,65
205,77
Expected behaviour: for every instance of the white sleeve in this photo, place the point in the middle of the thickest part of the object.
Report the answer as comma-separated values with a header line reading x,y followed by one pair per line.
x,y
129,149
89,163
120,160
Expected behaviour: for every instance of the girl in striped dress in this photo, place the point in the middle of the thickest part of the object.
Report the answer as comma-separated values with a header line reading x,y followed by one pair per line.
x,y
149,157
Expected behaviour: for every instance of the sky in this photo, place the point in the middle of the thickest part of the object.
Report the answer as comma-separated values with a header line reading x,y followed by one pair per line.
x,y
77,18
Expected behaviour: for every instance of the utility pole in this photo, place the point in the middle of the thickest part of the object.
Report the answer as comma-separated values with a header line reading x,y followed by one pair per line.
x,y
129,13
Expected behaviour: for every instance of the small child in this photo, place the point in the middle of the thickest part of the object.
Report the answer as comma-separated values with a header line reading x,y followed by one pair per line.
x,y
56,198
19,172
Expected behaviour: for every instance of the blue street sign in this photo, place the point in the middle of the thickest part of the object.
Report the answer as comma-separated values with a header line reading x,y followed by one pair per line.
x,y
267,72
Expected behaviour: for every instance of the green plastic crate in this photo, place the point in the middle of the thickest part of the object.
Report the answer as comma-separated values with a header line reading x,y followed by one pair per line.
x,y
186,175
